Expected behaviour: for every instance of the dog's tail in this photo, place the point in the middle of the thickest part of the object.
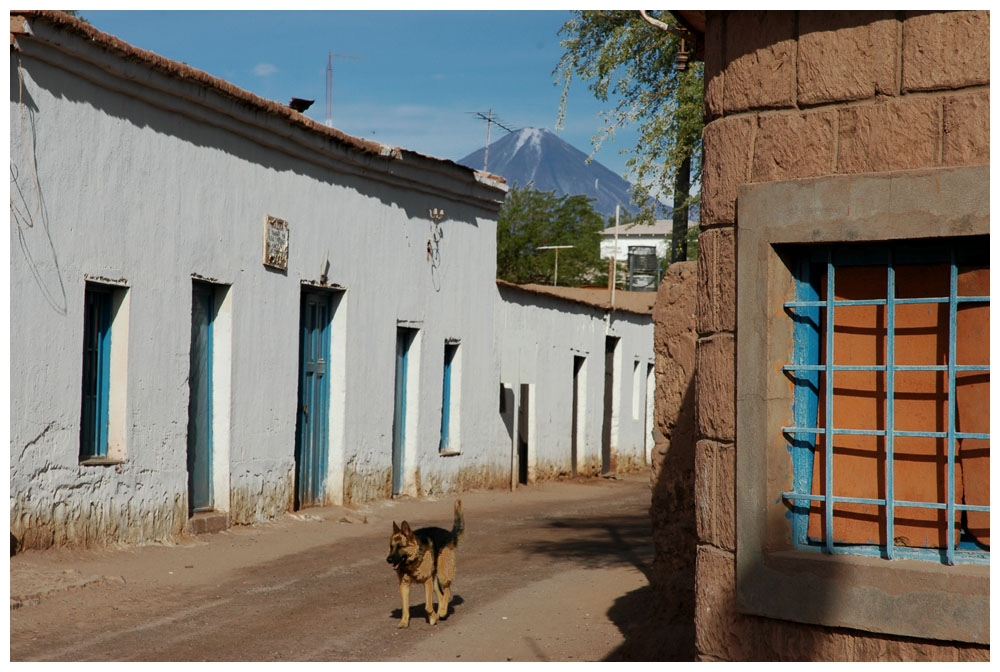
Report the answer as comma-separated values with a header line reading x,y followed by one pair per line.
x,y
458,529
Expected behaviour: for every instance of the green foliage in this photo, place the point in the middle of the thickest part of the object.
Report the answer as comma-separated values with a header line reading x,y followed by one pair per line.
x,y
530,219
692,250
692,243
625,217
623,57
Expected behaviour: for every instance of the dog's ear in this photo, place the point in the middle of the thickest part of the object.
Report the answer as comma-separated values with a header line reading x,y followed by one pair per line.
x,y
395,527
405,529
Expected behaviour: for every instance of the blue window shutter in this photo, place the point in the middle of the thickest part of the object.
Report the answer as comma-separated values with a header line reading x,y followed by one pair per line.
x,y
449,357
96,373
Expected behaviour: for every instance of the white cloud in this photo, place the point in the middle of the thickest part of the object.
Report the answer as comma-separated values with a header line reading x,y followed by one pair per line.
x,y
264,69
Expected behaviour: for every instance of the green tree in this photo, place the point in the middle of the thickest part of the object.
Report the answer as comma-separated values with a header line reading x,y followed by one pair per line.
x,y
530,219
626,58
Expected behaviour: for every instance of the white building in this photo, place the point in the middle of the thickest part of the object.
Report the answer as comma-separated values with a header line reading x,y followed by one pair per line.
x,y
576,378
222,310
632,235
145,313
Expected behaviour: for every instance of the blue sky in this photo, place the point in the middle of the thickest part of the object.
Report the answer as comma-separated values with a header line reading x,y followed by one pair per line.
x,y
417,78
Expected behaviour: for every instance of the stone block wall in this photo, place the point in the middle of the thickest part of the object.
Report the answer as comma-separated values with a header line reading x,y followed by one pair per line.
x,y
792,95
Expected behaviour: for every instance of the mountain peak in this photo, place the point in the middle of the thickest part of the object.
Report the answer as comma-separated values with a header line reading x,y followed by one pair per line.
x,y
539,157
532,137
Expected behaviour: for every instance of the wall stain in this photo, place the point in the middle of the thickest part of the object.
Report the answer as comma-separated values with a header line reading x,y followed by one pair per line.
x,y
482,477
268,497
362,486
75,516
630,463
97,522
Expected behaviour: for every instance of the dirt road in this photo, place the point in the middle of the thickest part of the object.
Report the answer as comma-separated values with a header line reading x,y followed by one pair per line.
x,y
554,571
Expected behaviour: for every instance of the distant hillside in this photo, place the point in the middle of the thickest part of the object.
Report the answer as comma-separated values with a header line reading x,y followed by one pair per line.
x,y
539,156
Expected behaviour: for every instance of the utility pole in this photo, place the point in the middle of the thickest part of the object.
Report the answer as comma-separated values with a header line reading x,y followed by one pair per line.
x,y
614,260
490,120
329,82
555,279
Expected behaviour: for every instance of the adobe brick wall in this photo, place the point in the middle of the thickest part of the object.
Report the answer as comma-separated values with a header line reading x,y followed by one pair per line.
x,y
793,95
673,464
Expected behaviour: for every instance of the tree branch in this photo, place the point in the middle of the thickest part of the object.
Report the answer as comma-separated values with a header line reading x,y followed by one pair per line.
x,y
683,34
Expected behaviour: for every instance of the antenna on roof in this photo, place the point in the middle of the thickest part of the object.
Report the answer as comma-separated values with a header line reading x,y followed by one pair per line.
x,y
329,83
490,120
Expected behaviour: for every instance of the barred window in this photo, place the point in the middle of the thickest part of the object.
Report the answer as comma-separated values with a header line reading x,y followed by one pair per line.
x,y
890,443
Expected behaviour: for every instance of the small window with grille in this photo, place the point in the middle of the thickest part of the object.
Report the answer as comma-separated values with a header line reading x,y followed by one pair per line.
x,y
890,437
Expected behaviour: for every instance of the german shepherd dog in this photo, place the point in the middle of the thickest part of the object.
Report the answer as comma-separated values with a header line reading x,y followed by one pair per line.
x,y
426,556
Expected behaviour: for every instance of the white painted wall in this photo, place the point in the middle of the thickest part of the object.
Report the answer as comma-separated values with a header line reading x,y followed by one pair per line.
x,y
538,336
124,174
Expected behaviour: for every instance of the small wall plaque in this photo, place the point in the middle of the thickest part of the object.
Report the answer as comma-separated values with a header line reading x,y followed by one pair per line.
x,y
276,243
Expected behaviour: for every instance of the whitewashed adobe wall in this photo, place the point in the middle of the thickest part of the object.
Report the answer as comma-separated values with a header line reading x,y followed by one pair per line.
x,y
125,174
538,338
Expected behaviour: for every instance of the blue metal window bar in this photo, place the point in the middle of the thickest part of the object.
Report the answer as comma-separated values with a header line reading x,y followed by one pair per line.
x,y
805,310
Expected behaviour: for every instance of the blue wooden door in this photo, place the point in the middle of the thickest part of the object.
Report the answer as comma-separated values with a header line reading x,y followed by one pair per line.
x,y
200,400
404,337
311,442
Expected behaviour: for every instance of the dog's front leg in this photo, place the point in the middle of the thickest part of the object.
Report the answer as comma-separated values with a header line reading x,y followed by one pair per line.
x,y
432,616
404,593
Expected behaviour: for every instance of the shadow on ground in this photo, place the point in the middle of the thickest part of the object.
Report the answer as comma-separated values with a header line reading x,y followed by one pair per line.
x,y
649,636
602,541
645,622
417,611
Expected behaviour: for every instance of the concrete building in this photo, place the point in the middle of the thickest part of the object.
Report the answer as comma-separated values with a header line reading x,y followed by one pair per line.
x,y
632,235
864,135
222,310
576,377
625,240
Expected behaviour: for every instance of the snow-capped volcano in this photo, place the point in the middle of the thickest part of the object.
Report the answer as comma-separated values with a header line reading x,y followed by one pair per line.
x,y
539,156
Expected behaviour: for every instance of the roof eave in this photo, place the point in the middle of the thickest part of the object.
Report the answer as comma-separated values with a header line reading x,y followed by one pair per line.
x,y
20,25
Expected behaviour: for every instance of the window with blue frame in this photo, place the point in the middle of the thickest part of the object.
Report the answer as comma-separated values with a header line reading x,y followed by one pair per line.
x,y
447,397
96,371
890,437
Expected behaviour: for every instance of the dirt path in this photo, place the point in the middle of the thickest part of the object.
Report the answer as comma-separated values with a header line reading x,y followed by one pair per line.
x,y
555,571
